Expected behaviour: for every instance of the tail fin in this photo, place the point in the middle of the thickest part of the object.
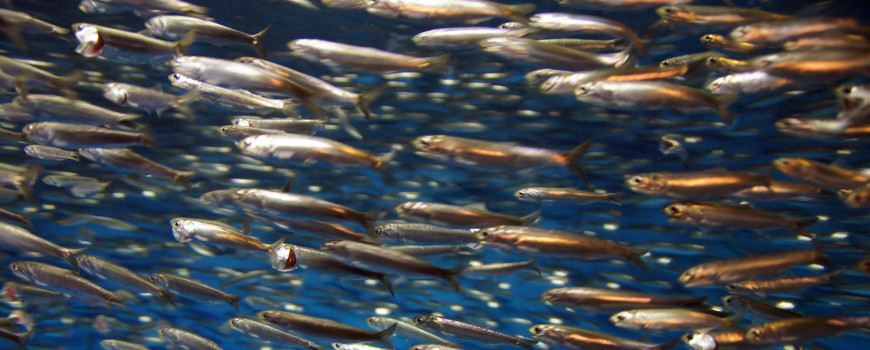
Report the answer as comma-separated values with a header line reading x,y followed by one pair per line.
x,y
571,158
182,104
71,258
612,197
169,297
25,180
387,281
452,277
722,108
64,83
257,44
182,178
531,218
634,257
436,63
670,344
386,334
147,140
363,100
234,301
181,47
519,12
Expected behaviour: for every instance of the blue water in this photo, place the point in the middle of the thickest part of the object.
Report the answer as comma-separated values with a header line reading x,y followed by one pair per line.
x,y
505,108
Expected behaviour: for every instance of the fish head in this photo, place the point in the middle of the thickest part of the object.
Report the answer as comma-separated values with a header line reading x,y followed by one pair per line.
x,y
183,81
650,184
189,66
238,324
858,198
159,279
528,194
709,39
678,212
431,143
851,96
669,145
181,229
677,13
384,8
624,319
219,198
115,92
758,334
23,270
695,276
593,92
283,257
88,263
544,331
249,145
91,43
794,167
700,340
304,48
95,6
388,232
170,334
156,25
35,132
732,302
428,322
412,209
745,34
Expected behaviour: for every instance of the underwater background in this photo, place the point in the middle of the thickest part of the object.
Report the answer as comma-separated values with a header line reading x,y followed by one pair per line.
x,y
477,95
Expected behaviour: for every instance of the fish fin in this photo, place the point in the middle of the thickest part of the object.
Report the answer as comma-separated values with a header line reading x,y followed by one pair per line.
x,y
182,178
65,82
276,243
182,46
535,267
819,256
452,277
147,140
722,108
612,197
735,318
288,107
234,301
246,228
169,297
387,281
634,257
526,343
437,64
572,157
75,156
531,218
257,43
518,12
25,180
70,259
287,186
183,102
344,121
386,334
363,100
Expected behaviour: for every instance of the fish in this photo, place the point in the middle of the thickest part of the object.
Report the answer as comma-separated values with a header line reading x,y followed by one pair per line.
x,y
63,279
425,234
564,84
192,287
143,7
235,98
68,135
343,55
773,32
218,233
323,328
13,22
602,299
466,330
50,153
474,215
802,328
754,307
288,257
714,17
383,260
621,5
497,155
713,215
573,23
578,338
466,11
724,271
558,244
175,27
407,330
110,271
22,178
497,269
564,195
653,95
670,320
115,344
127,160
264,331
307,149
93,39
856,198
61,108
695,185
552,55
462,37
149,99
723,43
778,285
188,340
20,68
827,177
18,238
288,205
712,340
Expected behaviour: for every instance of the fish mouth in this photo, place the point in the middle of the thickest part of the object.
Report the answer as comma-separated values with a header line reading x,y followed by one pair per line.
x,y
91,43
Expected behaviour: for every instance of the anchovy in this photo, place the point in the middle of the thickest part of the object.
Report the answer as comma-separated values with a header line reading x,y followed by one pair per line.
x,y
50,153
725,271
192,287
467,330
127,160
175,27
65,135
564,195
325,328
465,11
343,55
110,271
188,340
597,299
578,338
12,236
266,332
474,215
406,329
417,233
55,277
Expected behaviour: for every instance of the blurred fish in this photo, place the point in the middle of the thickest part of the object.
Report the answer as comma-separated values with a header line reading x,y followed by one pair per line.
x,y
828,177
63,279
110,271
564,195
66,135
176,27
779,285
471,331
268,333
670,320
13,22
725,271
342,55
459,37
653,95
551,55
407,330
578,338
602,299
143,7
802,328
322,328
235,98
187,340
754,307
466,11
474,215
114,344
15,237
149,99
192,287
707,184
729,216
50,153
126,160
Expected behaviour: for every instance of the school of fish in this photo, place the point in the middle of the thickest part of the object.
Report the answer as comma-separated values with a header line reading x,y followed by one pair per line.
x,y
434,174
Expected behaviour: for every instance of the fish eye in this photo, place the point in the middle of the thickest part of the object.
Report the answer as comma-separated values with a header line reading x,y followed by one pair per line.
x,y
690,336
708,38
176,224
620,318
15,267
847,90
581,90
670,10
672,209
756,332
538,330
729,300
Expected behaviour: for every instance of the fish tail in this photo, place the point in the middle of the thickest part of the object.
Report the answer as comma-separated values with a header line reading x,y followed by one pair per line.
x,y
169,297
363,100
234,301
182,104
288,107
70,258
387,281
65,82
382,166
436,63
819,256
147,140
519,12
612,198
257,42
722,108
653,28
14,36
531,218
182,46
452,277
572,157
182,178
634,257
386,334
25,180
75,156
